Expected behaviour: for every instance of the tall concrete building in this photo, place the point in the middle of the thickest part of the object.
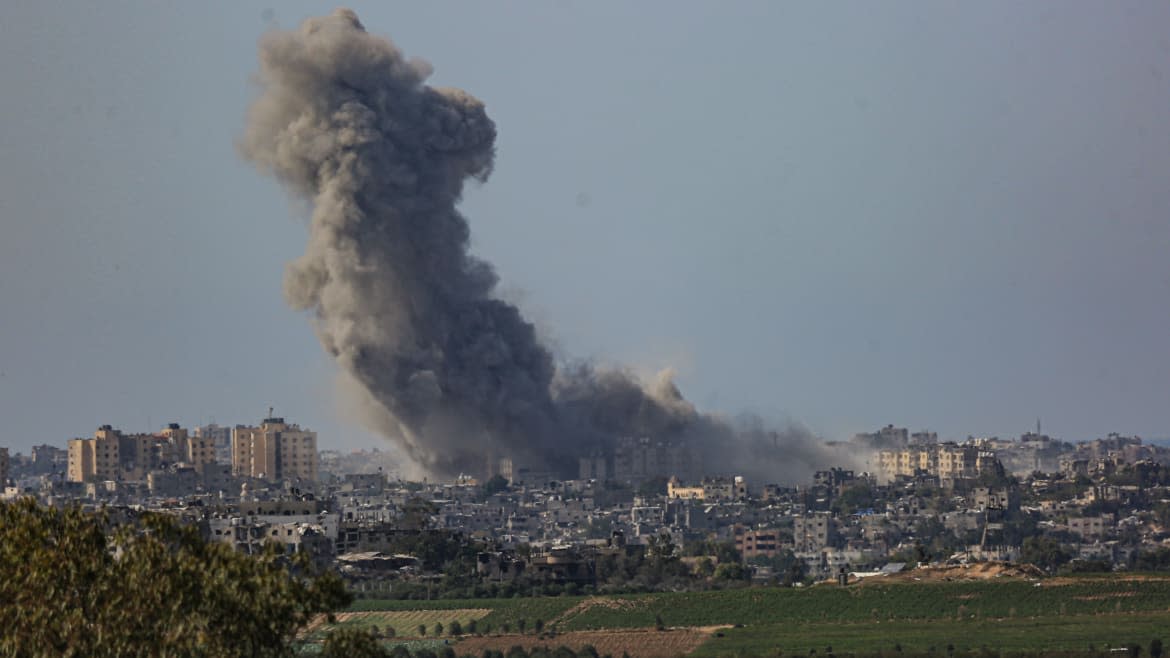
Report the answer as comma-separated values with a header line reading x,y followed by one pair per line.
x,y
193,450
114,455
96,459
636,459
49,459
274,451
812,532
3,466
221,438
948,461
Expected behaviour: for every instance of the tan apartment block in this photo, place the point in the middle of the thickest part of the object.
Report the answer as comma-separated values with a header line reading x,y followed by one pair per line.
x,y
274,451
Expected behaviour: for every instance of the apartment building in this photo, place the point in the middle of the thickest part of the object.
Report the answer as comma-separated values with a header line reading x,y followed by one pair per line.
x,y
948,461
274,451
221,438
812,532
192,449
96,459
756,543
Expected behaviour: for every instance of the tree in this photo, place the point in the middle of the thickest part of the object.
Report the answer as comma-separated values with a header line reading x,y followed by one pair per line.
x,y
705,567
660,547
1156,648
1044,552
74,584
455,628
732,571
422,630
352,643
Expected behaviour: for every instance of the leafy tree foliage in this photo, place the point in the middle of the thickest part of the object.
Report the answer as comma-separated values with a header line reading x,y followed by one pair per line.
x,y
74,585
732,571
1044,552
352,643
1155,560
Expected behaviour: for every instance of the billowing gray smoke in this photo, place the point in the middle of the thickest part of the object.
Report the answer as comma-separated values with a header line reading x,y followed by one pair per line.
x,y
348,124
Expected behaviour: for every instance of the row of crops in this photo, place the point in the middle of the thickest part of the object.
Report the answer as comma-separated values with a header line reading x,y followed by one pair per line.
x,y
979,599
871,602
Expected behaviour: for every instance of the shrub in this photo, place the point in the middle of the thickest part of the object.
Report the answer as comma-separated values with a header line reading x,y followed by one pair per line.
x,y
352,643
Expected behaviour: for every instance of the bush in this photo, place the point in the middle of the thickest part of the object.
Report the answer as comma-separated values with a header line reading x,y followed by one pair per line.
x,y
455,628
352,643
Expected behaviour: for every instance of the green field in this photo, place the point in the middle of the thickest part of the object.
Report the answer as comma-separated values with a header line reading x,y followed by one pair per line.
x,y
884,602
1000,615
1077,633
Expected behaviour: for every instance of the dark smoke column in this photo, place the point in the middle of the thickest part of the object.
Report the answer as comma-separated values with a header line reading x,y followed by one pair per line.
x,y
456,375
347,123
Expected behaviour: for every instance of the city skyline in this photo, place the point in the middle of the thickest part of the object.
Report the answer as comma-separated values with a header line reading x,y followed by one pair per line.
x,y
964,243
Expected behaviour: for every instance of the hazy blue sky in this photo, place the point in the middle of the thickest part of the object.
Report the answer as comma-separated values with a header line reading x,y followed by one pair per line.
x,y
952,216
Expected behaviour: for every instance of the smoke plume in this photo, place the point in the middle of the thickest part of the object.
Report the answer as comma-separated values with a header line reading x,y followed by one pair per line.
x,y
452,373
